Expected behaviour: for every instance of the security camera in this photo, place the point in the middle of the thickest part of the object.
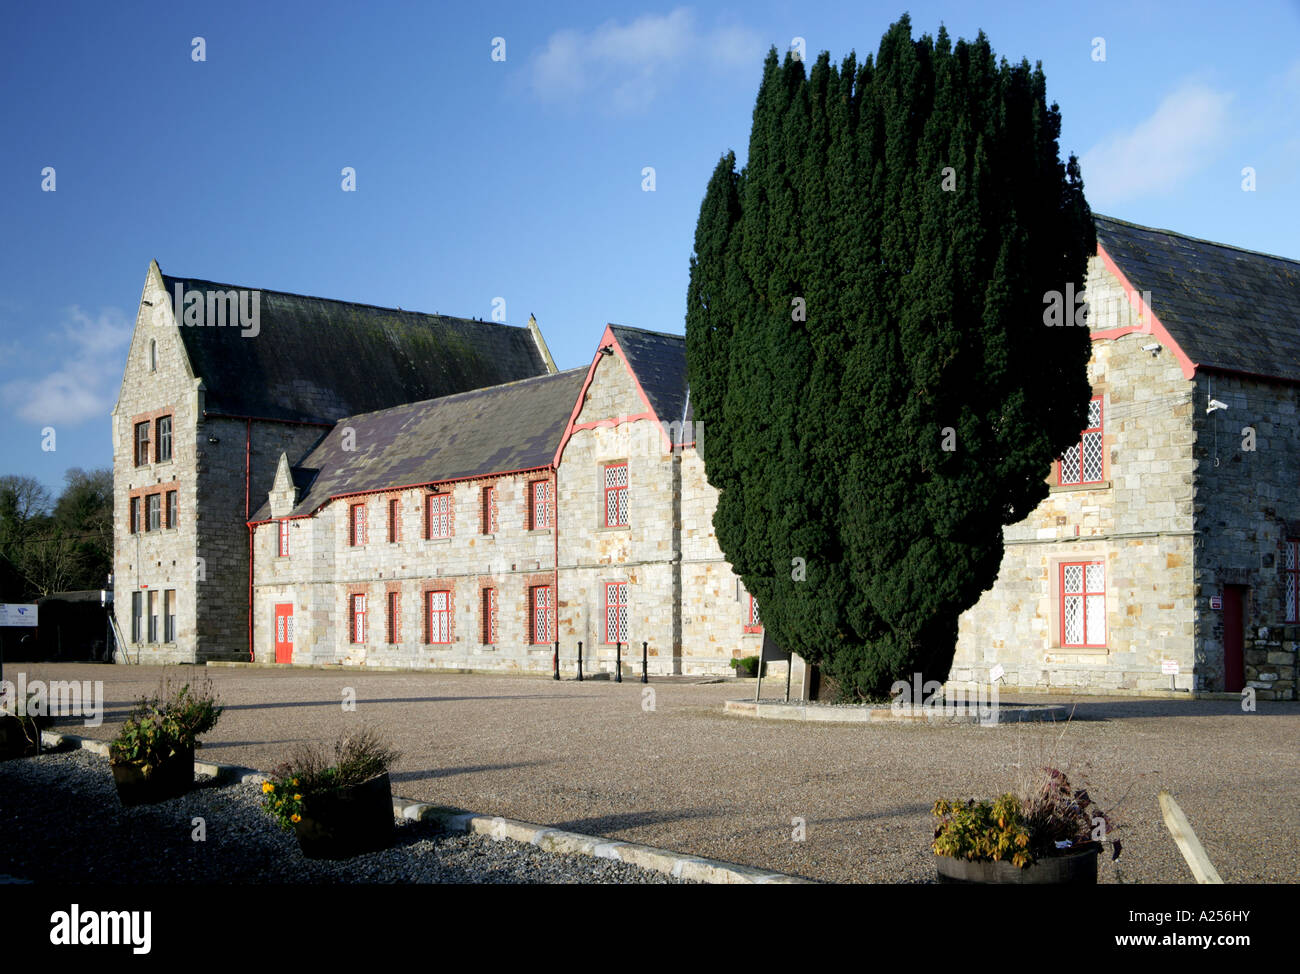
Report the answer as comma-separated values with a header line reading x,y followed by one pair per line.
x,y
1152,348
1215,404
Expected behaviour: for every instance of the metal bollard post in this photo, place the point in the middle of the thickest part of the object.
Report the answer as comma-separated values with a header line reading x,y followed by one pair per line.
x,y
580,661
645,672
557,660
618,662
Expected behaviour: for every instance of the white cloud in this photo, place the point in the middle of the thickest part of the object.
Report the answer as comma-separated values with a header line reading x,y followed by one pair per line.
x,y
1188,126
625,66
89,353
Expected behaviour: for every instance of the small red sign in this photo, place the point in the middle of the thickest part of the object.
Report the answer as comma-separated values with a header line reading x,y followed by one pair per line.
x,y
1216,601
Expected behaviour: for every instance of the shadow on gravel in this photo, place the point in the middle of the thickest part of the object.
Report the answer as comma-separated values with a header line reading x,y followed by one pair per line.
x,y
467,769
604,824
361,700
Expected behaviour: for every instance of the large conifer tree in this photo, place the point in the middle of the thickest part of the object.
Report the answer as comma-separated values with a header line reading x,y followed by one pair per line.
x,y
867,346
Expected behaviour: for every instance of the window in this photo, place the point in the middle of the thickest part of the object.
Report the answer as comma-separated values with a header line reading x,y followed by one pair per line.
x,y
153,616
153,355
394,519
753,622
153,512
438,516
164,438
1292,565
169,616
135,514
394,619
358,610
1082,464
173,508
541,505
357,525
616,612
615,494
540,631
137,615
439,613
1083,604
141,444
282,548
488,510
489,617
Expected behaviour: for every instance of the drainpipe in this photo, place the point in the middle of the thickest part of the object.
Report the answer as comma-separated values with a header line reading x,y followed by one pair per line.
x,y
556,560
248,460
250,595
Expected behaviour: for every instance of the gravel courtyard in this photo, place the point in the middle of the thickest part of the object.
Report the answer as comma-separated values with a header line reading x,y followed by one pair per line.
x,y
591,758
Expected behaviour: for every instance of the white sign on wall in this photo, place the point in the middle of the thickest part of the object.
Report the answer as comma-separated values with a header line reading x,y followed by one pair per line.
x,y
997,672
1169,667
15,614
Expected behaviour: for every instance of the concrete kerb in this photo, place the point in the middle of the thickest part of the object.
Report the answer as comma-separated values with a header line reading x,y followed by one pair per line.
x,y
884,714
545,838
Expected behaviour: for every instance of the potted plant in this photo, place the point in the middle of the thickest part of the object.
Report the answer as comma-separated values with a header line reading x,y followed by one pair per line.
x,y
20,733
745,666
152,756
1053,835
339,808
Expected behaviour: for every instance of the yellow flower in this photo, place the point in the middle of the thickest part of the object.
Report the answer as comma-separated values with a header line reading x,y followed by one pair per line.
x,y
267,787
295,781
295,817
297,798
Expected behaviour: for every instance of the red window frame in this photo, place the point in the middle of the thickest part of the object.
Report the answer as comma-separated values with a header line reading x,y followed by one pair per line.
x,y
1078,450
282,545
1084,593
394,519
541,510
616,594
142,444
540,631
357,524
438,617
393,619
488,610
1291,576
753,621
438,521
488,510
357,613
614,493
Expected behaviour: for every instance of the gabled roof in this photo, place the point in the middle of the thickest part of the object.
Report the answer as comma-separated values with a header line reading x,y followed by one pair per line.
x,y
316,359
1227,308
501,429
658,361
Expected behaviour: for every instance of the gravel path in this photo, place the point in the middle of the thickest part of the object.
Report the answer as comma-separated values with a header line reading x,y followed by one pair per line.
x,y
591,758
61,822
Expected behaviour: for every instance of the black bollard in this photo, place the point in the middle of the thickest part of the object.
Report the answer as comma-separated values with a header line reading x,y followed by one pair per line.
x,y
618,662
645,673
557,660
579,661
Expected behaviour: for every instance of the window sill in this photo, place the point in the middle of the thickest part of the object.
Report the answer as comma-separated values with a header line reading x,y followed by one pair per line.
x,y
437,540
538,531
1077,651
614,527
1067,488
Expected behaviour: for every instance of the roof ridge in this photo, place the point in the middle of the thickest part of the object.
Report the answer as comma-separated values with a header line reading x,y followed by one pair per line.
x,y
354,304
647,331
1201,240
462,395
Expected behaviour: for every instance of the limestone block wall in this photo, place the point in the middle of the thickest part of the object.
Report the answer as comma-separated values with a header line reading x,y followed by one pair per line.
x,y
1247,505
1138,520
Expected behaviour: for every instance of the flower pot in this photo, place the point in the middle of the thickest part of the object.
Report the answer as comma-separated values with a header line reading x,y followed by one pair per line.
x,y
172,778
345,823
20,737
1078,866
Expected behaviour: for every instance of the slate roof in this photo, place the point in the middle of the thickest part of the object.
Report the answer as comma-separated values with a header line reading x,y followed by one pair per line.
x,y
659,362
516,426
316,359
1226,307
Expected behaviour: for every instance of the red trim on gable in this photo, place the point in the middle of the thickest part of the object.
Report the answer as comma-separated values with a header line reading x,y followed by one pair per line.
x,y
1156,328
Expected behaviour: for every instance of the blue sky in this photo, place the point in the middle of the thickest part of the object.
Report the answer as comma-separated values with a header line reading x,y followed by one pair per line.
x,y
521,179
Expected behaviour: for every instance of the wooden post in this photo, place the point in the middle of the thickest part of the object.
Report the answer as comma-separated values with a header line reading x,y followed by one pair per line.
x,y
1188,844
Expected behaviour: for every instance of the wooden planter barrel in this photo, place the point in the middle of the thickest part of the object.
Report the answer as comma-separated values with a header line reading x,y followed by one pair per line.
x,y
172,778
1076,867
348,822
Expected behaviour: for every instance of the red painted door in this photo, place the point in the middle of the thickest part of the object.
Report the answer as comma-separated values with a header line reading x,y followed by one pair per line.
x,y
284,632
1234,669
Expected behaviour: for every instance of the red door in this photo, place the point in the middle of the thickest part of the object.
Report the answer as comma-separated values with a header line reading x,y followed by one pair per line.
x,y
1234,670
284,632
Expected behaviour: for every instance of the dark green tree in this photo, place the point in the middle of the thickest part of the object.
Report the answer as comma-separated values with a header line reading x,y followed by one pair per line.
x,y
868,348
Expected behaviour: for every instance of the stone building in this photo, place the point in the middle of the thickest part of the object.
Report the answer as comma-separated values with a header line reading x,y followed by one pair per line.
x,y
1171,534
374,487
